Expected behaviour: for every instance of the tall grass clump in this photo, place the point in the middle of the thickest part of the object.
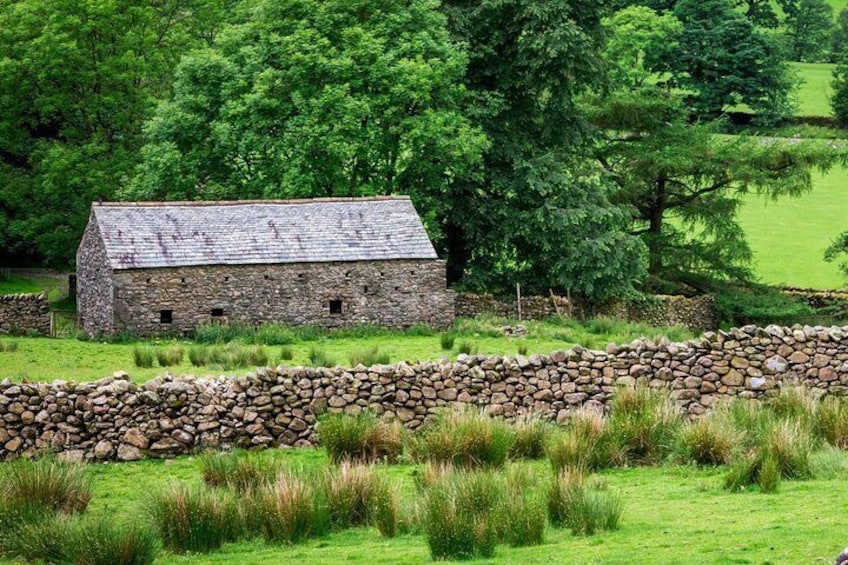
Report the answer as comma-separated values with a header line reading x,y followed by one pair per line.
x,y
522,512
242,472
144,356
797,404
460,520
584,443
581,507
360,437
289,512
642,424
465,438
191,519
36,538
273,334
531,433
831,422
351,491
8,346
44,485
369,357
102,542
710,440
318,357
466,347
784,450
446,340
235,356
198,355
286,353
170,356
385,510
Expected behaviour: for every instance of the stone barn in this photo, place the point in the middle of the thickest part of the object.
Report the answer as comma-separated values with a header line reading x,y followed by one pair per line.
x,y
167,267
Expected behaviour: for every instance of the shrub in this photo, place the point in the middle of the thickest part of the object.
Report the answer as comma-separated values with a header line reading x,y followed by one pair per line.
x,y
368,357
287,512
198,355
144,356
286,353
465,438
170,356
239,471
711,440
831,422
102,542
319,357
8,346
45,485
584,510
360,437
530,434
459,520
191,519
446,340
642,424
350,491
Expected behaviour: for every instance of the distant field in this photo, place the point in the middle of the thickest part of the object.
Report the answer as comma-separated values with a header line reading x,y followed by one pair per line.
x,y
814,93
789,236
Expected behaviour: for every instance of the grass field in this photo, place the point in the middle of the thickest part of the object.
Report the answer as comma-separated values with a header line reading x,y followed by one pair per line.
x,y
814,94
44,359
672,515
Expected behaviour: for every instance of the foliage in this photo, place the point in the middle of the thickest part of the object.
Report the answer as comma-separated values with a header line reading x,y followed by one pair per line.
x,y
522,510
191,519
465,438
319,357
809,28
446,340
170,356
738,305
101,541
710,440
384,510
144,356
466,347
351,492
8,346
360,437
831,422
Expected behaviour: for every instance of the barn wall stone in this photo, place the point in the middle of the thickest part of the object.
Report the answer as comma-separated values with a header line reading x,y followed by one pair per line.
x,y
386,293
115,418
94,284
24,314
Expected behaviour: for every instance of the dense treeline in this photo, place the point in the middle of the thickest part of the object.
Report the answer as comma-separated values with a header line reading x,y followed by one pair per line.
x,y
564,144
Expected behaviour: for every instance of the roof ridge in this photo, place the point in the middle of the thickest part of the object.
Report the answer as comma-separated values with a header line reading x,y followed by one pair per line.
x,y
154,203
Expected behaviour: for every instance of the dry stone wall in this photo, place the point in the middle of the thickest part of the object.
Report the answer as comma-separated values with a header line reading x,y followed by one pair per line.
x,y
117,419
24,314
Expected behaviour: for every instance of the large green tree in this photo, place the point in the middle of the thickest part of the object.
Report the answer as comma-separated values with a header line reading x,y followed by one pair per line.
x,y
809,29
77,80
533,218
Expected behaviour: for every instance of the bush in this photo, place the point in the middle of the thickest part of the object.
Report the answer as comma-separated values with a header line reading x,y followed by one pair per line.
x,y
711,440
368,357
761,305
198,355
102,542
170,356
831,422
351,491
239,471
360,437
465,438
286,511
459,516
446,340
319,357
45,485
144,356
531,433
642,424
191,519
584,510
286,353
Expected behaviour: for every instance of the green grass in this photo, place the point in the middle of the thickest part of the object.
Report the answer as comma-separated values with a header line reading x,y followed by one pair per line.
x,y
672,515
788,237
44,359
814,94
34,282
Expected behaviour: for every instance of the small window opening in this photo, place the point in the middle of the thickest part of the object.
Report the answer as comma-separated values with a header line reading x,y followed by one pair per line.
x,y
148,281
267,277
226,279
166,316
411,272
397,288
335,306
300,275
217,312
381,273
365,290
182,279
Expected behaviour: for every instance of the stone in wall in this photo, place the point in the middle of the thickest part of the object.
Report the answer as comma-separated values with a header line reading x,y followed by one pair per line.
x,y
23,314
117,419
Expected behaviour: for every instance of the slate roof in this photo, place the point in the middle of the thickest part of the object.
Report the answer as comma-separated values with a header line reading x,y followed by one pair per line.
x,y
171,234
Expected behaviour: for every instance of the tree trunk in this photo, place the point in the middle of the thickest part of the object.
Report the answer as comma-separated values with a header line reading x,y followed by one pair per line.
x,y
654,235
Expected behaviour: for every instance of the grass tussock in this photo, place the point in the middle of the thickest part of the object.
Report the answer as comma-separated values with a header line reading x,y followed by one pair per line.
x,y
531,433
584,443
351,492
103,542
144,356
784,450
466,347
195,520
319,357
360,437
710,440
446,340
44,485
831,422
289,511
369,357
642,424
465,438
8,346
286,353
522,511
242,472
582,507
170,356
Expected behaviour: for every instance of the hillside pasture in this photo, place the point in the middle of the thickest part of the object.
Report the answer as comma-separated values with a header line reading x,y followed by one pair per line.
x,y
813,94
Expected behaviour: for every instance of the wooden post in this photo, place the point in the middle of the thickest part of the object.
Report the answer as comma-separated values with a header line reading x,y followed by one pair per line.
x,y
518,299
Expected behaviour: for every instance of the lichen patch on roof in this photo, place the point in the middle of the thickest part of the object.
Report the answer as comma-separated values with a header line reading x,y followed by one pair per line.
x,y
170,234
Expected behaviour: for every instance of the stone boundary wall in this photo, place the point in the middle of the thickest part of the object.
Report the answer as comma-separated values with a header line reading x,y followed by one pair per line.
x,y
24,314
116,419
697,313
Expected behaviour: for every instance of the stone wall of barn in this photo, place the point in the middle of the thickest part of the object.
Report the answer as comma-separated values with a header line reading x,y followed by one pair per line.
x,y
23,314
94,284
386,293
117,419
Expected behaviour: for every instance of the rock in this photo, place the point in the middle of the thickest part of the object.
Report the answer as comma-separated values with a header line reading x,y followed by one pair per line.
x,y
14,444
128,452
799,357
136,438
104,450
775,364
733,378
71,456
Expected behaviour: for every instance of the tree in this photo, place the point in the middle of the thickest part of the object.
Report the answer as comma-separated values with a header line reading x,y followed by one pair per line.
x,y
809,28
529,61
688,183
724,60
839,40
77,80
